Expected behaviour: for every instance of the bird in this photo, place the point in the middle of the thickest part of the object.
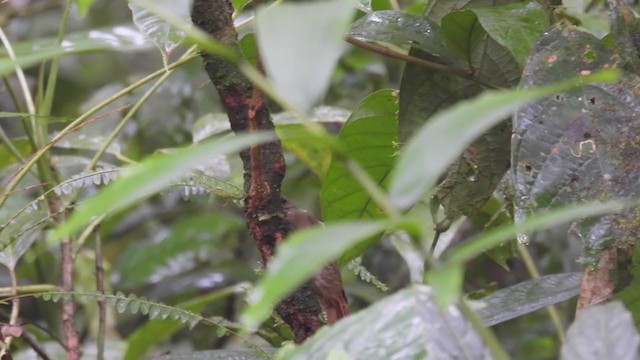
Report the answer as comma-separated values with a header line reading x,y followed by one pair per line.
x,y
327,283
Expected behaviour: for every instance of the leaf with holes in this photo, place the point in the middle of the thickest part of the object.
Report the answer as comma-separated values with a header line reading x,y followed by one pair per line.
x,y
580,145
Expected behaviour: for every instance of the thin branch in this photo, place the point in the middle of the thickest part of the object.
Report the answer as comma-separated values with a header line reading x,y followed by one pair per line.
x,y
465,74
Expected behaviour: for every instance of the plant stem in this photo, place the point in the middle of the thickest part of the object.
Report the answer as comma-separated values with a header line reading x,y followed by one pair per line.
x,y
15,312
102,306
534,273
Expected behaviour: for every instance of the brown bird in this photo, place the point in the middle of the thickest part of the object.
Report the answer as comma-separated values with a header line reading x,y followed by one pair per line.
x,y
327,284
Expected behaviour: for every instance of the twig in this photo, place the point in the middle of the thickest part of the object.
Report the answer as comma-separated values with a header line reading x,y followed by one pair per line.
x,y
465,74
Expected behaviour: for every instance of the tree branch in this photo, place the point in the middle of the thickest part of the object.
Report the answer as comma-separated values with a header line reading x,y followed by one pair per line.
x,y
264,165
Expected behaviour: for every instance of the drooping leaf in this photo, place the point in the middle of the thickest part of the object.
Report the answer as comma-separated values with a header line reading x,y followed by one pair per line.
x,y
579,145
165,36
400,28
528,296
148,177
296,37
406,325
306,251
451,131
602,332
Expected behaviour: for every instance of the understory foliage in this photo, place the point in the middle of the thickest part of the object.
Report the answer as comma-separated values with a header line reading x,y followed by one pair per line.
x,y
475,164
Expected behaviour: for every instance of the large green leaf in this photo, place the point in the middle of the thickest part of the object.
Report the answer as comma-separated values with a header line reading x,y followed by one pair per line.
x,y
367,138
150,176
580,145
451,131
602,332
300,44
306,252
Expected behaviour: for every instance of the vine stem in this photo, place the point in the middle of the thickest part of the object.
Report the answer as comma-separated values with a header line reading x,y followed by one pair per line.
x,y
385,51
487,335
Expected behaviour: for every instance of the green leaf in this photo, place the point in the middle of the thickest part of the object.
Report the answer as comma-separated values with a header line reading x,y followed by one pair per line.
x,y
451,131
306,252
367,138
400,28
150,176
300,44
405,325
528,296
602,332
463,33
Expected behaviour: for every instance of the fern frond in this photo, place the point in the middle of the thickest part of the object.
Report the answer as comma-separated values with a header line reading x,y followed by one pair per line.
x,y
133,305
365,275
103,176
94,178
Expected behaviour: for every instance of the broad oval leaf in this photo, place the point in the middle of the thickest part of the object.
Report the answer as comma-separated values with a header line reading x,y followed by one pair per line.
x,y
580,145
300,44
